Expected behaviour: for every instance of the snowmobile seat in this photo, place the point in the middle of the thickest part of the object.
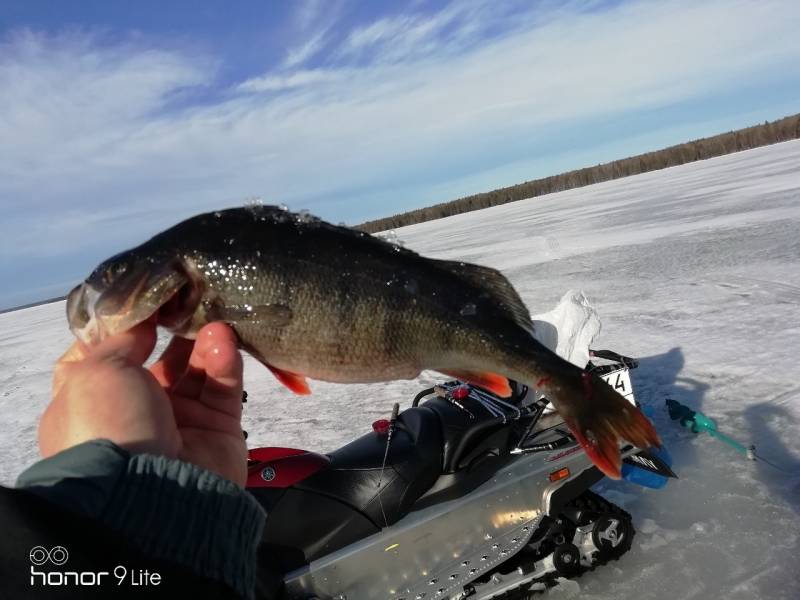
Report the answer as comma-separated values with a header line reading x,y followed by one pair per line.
x,y
356,475
469,433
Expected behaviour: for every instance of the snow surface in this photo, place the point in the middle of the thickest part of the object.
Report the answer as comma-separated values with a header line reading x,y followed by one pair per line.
x,y
693,269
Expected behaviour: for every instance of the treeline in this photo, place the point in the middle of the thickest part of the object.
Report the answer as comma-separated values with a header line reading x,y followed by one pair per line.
x,y
773,132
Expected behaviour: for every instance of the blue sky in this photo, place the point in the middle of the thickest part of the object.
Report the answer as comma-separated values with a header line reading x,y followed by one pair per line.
x,y
119,119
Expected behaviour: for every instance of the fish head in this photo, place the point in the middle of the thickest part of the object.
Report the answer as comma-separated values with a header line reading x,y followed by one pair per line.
x,y
128,289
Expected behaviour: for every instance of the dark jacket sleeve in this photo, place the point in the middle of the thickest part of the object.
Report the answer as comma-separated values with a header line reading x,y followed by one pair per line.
x,y
139,525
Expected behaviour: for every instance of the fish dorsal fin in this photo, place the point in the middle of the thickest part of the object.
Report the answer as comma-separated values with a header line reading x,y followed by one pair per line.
x,y
496,286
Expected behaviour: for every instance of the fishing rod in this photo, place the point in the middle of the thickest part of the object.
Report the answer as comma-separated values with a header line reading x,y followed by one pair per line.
x,y
697,422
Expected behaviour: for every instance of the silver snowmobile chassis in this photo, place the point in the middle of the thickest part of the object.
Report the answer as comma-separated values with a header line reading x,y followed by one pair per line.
x,y
533,521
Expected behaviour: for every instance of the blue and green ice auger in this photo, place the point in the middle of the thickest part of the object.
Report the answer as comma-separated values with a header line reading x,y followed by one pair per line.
x,y
697,422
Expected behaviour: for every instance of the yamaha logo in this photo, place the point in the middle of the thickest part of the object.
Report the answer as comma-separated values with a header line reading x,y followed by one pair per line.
x,y
267,473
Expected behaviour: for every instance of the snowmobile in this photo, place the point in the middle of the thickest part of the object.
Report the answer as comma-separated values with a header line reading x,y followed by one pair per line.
x,y
462,495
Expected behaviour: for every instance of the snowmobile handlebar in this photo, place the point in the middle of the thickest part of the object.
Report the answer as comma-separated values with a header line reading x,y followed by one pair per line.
x,y
421,395
625,361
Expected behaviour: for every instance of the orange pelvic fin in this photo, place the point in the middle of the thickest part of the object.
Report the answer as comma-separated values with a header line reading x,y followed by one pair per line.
x,y
491,381
297,383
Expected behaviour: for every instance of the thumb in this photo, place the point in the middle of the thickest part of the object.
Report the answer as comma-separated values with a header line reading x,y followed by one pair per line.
x,y
134,345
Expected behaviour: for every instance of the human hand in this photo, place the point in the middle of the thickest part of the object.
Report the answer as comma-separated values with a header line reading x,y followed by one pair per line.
x,y
187,405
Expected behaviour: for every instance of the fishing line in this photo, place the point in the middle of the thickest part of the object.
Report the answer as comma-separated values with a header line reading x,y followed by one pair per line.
x,y
395,411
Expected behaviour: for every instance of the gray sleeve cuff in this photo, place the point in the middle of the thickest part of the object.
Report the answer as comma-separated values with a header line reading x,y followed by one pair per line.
x,y
171,510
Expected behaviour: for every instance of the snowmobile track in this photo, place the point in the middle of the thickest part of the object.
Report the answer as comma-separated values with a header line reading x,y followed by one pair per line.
x,y
593,503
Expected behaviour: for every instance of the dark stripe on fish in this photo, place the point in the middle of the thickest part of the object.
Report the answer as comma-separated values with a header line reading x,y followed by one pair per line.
x,y
346,307
395,325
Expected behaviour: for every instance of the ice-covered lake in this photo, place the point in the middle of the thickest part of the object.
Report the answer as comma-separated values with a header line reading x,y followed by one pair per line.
x,y
694,269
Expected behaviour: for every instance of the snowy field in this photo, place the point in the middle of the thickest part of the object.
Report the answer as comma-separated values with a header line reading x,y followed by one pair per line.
x,y
694,269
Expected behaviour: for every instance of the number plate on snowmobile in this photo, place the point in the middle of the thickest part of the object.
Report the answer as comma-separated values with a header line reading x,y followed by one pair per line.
x,y
620,380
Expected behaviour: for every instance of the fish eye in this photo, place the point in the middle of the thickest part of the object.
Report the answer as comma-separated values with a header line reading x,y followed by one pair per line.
x,y
113,272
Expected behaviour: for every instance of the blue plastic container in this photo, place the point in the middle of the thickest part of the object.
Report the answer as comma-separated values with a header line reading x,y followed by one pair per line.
x,y
644,477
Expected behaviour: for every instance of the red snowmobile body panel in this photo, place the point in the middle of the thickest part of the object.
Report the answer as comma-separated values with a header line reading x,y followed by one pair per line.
x,y
281,467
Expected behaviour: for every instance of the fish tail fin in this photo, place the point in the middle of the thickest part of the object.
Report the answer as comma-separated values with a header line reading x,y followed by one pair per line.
x,y
602,420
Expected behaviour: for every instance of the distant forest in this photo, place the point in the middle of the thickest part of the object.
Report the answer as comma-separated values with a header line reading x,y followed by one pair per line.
x,y
773,132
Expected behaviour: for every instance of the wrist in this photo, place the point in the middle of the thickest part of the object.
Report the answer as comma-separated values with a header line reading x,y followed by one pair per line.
x,y
178,511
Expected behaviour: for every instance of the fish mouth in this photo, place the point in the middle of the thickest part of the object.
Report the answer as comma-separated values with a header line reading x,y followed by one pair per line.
x,y
80,314
95,312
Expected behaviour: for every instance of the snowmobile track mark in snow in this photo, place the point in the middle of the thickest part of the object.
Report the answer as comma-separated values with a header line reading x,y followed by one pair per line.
x,y
783,292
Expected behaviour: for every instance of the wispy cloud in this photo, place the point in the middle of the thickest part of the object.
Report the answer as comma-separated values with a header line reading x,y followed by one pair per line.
x,y
402,36
308,13
295,79
314,20
402,109
300,54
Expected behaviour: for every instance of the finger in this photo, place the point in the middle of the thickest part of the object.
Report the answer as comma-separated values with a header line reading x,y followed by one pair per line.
x,y
173,362
224,371
193,414
192,382
134,345
75,353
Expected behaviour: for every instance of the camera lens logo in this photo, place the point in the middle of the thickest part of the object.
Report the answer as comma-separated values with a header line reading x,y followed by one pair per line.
x,y
57,555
